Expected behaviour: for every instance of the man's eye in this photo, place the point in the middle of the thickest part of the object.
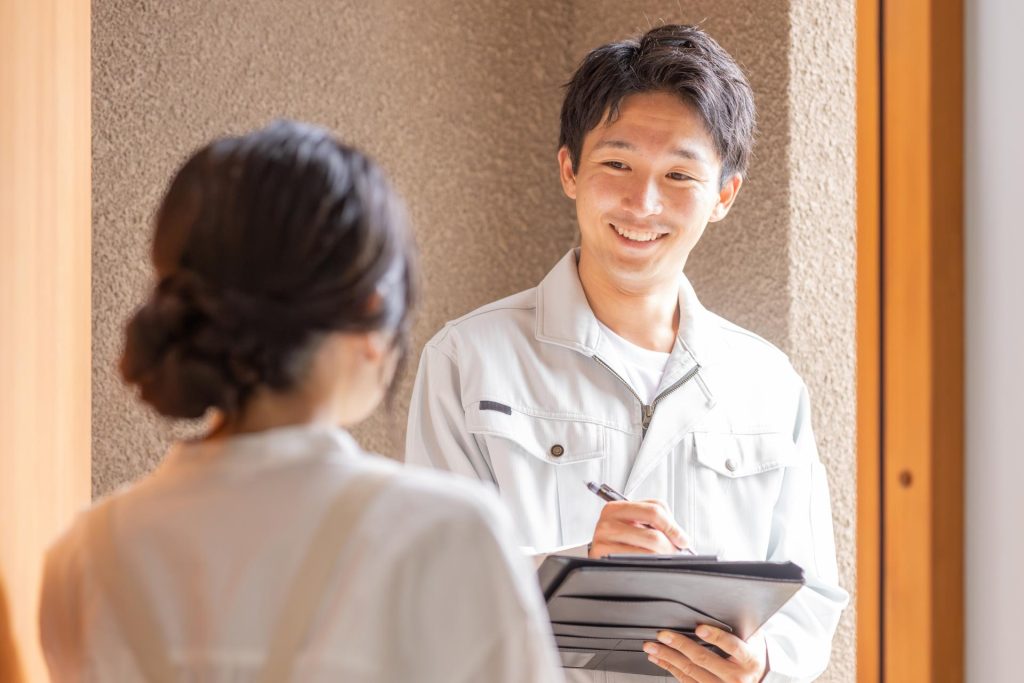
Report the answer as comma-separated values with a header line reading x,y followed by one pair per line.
x,y
679,176
616,165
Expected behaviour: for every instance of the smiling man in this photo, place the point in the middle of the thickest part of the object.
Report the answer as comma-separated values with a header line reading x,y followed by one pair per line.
x,y
610,370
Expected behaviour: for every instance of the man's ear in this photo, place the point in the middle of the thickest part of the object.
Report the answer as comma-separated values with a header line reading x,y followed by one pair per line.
x,y
565,172
726,196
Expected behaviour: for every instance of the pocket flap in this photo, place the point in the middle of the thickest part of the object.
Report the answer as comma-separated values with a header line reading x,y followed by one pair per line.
x,y
556,441
740,455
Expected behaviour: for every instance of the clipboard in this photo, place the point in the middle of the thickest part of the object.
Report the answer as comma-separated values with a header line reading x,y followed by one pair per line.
x,y
602,611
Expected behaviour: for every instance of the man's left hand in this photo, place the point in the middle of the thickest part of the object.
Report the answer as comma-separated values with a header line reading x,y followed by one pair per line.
x,y
691,662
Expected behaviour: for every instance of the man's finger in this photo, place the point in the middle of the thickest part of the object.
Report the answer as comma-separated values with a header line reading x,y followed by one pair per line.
x,y
726,642
681,666
651,514
614,529
667,666
654,515
602,548
698,655
651,540
629,544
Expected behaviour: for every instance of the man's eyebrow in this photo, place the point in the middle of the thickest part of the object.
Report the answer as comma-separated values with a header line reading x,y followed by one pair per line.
x,y
683,152
687,153
615,144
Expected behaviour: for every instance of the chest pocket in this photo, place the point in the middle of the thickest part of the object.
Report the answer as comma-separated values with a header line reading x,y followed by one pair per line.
x,y
541,466
736,481
741,455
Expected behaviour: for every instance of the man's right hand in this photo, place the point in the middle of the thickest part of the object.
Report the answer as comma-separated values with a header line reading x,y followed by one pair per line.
x,y
637,527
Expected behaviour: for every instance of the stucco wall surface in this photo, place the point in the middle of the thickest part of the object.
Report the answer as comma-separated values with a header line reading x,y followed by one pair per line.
x,y
460,102
822,262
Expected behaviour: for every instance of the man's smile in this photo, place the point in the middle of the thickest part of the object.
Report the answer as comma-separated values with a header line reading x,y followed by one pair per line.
x,y
637,235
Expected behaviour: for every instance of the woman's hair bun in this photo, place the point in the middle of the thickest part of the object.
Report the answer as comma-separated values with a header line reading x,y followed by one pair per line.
x,y
183,362
263,243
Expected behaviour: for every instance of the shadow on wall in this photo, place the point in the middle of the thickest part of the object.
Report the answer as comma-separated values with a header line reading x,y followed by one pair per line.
x,y
9,667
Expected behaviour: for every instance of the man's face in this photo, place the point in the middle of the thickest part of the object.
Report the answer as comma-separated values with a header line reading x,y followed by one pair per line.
x,y
646,187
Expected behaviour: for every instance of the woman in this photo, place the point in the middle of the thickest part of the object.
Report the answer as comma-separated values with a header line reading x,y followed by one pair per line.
x,y
273,548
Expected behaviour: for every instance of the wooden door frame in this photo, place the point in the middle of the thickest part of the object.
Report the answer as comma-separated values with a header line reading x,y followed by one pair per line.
x,y
45,263
869,336
910,340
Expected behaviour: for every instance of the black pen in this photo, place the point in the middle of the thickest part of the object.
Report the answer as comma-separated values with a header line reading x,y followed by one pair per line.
x,y
609,495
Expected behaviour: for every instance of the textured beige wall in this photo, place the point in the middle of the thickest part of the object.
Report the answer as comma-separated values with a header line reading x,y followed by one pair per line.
x,y
822,263
460,102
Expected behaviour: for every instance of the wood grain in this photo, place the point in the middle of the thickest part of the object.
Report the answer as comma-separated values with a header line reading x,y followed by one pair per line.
x,y
922,68
44,295
869,340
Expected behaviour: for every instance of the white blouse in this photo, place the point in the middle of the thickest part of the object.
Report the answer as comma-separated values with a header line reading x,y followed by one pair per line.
x,y
427,587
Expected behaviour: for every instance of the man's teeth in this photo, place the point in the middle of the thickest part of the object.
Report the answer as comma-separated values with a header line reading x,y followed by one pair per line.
x,y
637,236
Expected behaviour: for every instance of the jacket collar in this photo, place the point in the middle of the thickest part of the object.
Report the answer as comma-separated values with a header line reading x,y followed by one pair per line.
x,y
564,316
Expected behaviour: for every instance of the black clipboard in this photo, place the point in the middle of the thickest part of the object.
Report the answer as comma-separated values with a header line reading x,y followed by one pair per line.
x,y
603,610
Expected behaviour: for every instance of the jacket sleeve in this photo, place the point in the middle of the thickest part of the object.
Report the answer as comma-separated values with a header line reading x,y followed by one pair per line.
x,y
799,636
437,436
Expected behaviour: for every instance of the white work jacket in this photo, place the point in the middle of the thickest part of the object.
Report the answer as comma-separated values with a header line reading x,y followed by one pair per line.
x,y
424,588
520,393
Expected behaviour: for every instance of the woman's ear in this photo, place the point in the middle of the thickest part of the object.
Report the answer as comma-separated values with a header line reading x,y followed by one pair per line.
x,y
376,345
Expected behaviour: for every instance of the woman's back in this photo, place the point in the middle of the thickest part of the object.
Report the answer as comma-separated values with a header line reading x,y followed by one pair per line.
x,y
281,309
423,588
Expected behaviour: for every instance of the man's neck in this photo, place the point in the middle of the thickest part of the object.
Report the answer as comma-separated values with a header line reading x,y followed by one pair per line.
x,y
648,318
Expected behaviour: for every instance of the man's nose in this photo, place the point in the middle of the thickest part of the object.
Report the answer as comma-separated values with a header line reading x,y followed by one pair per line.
x,y
643,197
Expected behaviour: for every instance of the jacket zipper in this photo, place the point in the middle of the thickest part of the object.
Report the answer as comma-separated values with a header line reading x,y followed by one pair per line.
x,y
647,411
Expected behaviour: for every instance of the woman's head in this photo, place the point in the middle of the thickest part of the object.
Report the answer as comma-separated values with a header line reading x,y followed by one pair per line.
x,y
266,245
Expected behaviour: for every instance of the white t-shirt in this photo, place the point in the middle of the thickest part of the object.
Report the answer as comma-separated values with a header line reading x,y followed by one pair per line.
x,y
641,367
427,588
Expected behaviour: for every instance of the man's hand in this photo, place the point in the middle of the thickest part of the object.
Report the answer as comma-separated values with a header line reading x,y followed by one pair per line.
x,y
637,527
690,662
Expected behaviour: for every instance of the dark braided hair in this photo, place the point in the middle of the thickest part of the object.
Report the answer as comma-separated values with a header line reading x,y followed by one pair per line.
x,y
263,243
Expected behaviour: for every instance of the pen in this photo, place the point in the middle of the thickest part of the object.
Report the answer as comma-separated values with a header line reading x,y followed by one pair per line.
x,y
605,492
608,494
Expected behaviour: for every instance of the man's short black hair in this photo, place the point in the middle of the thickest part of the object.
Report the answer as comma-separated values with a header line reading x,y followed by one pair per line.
x,y
681,60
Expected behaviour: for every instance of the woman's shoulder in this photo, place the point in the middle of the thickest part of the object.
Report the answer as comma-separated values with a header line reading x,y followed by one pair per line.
x,y
438,496
415,501
451,528
68,554
63,556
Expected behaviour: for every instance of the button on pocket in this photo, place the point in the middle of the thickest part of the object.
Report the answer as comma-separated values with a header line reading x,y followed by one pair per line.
x,y
741,455
554,441
735,483
543,463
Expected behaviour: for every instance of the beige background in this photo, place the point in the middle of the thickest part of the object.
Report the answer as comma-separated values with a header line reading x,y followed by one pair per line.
x,y
459,100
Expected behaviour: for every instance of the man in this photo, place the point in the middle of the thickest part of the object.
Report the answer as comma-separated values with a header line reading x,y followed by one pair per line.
x,y
610,370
